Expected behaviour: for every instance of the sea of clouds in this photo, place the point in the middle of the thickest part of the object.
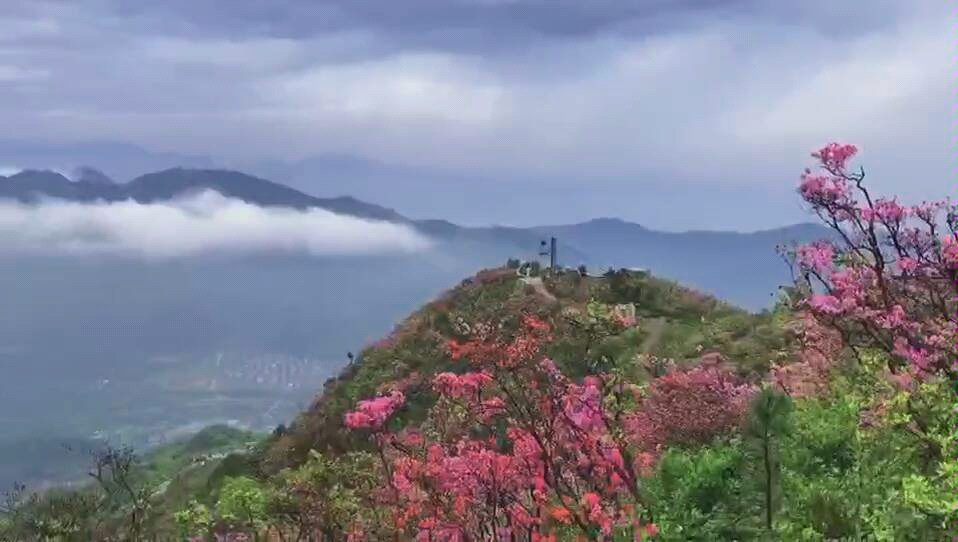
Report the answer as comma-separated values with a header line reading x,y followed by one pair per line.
x,y
200,224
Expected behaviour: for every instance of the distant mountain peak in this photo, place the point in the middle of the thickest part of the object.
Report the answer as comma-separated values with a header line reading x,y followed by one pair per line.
x,y
38,175
610,221
169,183
87,174
165,185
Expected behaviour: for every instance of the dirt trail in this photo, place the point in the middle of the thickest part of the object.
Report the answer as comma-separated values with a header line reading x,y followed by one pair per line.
x,y
540,288
656,328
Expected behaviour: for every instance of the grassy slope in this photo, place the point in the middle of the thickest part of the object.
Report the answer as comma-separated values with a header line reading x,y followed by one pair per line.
x,y
674,322
209,444
192,468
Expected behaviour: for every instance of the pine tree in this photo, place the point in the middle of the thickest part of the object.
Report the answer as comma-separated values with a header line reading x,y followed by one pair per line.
x,y
768,421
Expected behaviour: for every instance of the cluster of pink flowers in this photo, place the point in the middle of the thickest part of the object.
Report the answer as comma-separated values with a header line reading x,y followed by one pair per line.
x,y
819,350
887,211
461,385
583,404
819,256
561,448
373,413
949,252
672,411
826,190
835,156
893,275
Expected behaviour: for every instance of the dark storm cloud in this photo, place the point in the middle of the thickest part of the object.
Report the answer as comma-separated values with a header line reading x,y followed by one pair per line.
x,y
477,25
612,92
304,18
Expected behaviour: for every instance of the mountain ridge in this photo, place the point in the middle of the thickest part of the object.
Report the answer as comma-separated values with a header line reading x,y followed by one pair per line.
x,y
739,266
171,182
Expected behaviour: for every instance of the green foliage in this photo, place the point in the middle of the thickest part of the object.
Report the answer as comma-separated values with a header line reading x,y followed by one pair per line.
x,y
243,501
591,341
164,462
570,286
326,494
658,297
57,515
699,495
828,477
768,422
195,518
884,482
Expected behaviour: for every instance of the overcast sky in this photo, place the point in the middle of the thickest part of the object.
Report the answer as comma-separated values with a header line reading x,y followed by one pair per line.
x,y
666,112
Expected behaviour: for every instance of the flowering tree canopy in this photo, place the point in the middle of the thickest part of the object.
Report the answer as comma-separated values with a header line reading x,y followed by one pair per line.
x,y
889,277
514,450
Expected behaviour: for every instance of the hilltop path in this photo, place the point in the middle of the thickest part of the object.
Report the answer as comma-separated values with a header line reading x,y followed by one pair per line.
x,y
540,288
656,329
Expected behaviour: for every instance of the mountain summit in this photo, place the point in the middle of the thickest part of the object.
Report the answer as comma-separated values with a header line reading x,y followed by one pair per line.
x,y
91,185
86,174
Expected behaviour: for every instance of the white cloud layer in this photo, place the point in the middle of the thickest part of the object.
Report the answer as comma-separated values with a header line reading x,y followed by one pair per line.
x,y
204,223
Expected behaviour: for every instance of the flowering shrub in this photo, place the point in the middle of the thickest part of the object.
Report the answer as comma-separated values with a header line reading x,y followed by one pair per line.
x,y
889,281
819,347
373,413
514,450
672,412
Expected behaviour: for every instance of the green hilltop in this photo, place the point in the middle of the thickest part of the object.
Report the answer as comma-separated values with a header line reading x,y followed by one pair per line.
x,y
673,322
201,482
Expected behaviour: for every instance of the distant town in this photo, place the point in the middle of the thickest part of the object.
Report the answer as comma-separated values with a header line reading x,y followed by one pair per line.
x,y
231,371
251,390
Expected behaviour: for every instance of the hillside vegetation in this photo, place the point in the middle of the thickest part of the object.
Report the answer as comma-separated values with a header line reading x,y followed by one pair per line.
x,y
565,407
154,485
704,492
672,323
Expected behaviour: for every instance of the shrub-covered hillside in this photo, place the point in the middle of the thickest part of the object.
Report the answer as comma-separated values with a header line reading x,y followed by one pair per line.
x,y
564,407
672,323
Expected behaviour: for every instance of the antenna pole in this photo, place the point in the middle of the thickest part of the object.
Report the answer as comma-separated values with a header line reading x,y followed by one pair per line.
x,y
552,254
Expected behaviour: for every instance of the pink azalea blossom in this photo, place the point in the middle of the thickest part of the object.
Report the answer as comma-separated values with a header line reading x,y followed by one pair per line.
x,y
836,155
826,303
826,190
908,265
373,413
818,256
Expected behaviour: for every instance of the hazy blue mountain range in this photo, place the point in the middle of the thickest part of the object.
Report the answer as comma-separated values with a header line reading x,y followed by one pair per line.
x,y
116,159
740,267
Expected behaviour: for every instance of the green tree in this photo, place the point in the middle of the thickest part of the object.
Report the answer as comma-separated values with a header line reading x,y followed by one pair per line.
x,y
243,500
195,519
768,422
697,494
327,494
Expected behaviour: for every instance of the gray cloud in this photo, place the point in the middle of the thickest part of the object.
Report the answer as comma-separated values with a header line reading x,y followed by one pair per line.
x,y
201,224
612,92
